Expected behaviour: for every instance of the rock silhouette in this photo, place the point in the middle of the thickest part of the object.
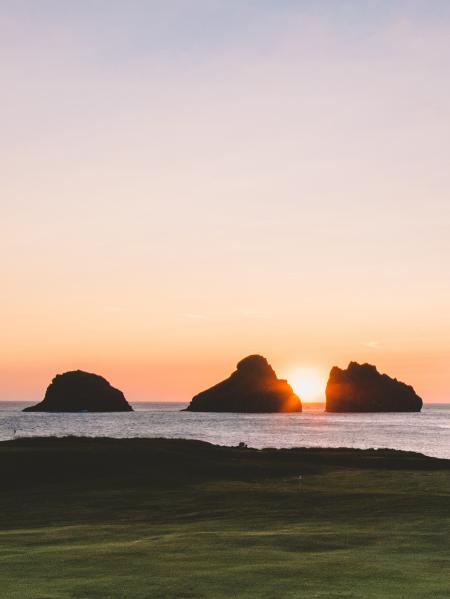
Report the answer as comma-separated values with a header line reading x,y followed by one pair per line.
x,y
252,387
361,388
79,391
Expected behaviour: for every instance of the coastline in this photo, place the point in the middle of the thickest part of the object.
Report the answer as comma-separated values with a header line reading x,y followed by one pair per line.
x,y
426,432
51,442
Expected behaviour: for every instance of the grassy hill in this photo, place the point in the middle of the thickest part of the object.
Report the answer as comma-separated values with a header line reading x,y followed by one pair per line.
x,y
158,518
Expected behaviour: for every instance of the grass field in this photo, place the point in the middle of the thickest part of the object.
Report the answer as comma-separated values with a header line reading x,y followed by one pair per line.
x,y
170,519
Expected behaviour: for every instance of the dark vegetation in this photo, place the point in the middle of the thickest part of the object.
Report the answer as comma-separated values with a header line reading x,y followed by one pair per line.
x,y
158,518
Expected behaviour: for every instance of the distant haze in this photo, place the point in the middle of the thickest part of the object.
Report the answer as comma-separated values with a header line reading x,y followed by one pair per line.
x,y
183,183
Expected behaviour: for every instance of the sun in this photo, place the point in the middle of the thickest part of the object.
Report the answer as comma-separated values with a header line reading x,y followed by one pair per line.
x,y
308,383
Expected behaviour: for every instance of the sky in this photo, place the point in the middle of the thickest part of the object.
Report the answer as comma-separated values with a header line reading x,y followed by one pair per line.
x,y
184,183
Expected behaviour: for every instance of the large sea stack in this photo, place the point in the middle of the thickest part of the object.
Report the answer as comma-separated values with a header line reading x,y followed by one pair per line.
x,y
253,387
361,388
79,391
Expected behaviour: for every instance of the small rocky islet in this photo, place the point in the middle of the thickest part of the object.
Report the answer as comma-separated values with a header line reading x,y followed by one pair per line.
x,y
361,388
79,391
252,388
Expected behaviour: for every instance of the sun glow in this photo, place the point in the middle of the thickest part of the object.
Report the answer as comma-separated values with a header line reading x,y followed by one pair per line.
x,y
308,383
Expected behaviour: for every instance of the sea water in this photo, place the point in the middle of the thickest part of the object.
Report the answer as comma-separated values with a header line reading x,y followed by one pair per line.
x,y
426,432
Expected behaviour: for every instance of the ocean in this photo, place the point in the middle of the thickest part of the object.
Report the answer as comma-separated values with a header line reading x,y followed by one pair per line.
x,y
427,432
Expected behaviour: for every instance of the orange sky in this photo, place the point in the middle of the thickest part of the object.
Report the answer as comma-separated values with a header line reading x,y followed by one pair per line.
x,y
174,199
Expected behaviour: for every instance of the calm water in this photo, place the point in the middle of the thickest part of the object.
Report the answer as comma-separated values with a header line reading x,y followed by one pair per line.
x,y
427,432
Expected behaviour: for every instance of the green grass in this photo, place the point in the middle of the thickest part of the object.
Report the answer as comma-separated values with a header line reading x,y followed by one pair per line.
x,y
181,519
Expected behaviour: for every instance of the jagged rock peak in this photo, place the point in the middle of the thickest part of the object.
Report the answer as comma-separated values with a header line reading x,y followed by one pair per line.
x,y
252,387
361,388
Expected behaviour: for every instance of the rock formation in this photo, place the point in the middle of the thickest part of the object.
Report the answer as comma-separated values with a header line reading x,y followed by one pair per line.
x,y
361,388
79,391
252,387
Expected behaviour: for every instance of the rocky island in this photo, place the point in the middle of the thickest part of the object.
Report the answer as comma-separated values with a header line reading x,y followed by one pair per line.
x,y
361,388
79,391
253,387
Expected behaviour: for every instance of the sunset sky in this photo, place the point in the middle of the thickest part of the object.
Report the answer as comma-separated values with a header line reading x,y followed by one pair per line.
x,y
183,183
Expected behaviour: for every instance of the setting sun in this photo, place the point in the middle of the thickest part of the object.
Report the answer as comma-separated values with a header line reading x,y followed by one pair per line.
x,y
308,383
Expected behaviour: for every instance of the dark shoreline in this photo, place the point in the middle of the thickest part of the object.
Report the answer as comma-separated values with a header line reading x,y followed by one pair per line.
x,y
34,460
